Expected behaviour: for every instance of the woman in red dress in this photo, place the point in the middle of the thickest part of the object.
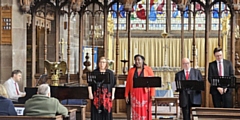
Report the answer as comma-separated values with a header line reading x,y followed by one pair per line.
x,y
139,99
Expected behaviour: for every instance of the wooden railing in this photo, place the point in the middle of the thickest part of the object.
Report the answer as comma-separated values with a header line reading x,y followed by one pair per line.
x,y
204,113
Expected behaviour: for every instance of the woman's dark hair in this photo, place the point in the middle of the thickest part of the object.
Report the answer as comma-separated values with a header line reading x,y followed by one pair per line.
x,y
142,57
138,55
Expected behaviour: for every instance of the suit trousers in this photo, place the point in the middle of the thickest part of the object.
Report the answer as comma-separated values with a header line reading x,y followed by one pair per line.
x,y
187,109
222,101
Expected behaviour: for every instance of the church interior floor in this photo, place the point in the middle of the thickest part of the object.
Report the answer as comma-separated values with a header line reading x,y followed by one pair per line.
x,y
161,109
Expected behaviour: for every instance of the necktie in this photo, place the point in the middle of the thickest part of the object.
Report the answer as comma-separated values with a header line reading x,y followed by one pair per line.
x,y
220,69
187,75
16,88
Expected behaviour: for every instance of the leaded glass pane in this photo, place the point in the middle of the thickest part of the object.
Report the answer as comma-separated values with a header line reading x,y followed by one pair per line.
x,y
157,14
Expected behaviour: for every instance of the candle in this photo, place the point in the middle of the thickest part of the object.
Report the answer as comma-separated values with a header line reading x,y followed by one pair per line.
x,y
196,52
124,55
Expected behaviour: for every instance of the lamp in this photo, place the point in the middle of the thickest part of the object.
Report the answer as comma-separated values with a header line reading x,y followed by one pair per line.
x,y
76,5
128,4
98,31
236,5
25,5
181,4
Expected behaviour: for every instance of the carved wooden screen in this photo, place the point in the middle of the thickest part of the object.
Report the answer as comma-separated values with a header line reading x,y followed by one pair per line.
x,y
6,25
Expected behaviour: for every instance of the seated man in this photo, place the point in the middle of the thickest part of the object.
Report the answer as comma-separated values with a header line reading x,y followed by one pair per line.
x,y
43,79
12,87
42,104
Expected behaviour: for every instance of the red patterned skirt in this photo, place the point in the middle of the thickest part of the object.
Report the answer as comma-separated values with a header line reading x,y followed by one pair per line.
x,y
140,104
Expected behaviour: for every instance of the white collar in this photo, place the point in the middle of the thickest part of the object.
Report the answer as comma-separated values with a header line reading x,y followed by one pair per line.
x,y
187,70
219,61
12,80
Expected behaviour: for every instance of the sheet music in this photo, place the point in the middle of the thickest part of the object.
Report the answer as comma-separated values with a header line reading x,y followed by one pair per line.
x,y
19,110
173,85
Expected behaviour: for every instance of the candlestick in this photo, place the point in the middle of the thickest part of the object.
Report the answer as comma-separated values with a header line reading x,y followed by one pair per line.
x,y
124,66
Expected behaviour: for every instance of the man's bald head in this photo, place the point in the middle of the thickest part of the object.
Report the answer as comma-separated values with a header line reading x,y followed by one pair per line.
x,y
185,63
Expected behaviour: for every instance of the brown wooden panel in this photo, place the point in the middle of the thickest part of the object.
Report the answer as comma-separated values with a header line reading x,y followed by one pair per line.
x,y
6,25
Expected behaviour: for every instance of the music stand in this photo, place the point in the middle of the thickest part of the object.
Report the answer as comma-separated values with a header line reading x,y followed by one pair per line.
x,y
98,78
189,85
223,81
141,82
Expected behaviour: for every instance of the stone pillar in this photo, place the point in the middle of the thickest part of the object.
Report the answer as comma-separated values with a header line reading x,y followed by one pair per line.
x,y
19,41
5,49
5,62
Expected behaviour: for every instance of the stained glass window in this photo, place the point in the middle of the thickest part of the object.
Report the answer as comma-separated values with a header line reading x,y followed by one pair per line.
x,y
215,15
138,16
200,17
122,17
157,14
176,18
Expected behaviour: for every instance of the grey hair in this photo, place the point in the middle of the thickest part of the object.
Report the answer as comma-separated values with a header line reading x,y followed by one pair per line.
x,y
43,89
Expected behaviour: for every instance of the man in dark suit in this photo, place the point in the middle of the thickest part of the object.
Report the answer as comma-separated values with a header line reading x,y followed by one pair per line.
x,y
222,97
189,98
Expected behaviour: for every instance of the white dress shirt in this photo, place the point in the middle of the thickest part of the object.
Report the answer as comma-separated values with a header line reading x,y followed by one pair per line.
x,y
185,71
222,72
11,89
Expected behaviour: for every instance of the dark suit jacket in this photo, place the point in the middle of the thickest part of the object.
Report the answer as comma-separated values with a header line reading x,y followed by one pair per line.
x,y
195,96
213,71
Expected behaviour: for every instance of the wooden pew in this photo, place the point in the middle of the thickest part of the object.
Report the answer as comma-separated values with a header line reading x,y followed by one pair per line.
x,y
204,113
58,117
72,116
80,110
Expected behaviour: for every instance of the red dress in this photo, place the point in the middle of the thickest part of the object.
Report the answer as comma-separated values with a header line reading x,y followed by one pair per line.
x,y
139,96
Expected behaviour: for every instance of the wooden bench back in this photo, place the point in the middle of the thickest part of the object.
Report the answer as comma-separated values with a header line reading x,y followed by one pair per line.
x,y
204,113
58,117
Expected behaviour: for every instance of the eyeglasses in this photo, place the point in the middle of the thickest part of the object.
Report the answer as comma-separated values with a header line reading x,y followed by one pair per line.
x,y
186,63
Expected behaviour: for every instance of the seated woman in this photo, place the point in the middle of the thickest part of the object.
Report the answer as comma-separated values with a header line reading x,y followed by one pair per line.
x,y
6,105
